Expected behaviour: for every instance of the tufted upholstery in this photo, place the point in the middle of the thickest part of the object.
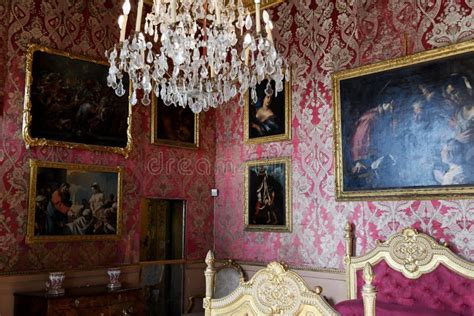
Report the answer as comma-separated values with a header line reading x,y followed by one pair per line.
x,y
441,289
356,308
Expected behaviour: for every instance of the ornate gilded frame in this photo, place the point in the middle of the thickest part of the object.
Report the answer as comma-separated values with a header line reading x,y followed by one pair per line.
x,y
34,165
164,142
272,138
288,213
438,192
273,290
27,107
409,252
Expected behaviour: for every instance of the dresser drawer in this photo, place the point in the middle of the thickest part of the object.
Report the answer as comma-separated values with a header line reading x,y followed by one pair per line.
x,y
117,298
90,301
79,302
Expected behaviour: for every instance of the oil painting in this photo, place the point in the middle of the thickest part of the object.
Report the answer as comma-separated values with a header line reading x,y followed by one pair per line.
x,y
68,103
73,202
267,115
267,188
405,128
173,126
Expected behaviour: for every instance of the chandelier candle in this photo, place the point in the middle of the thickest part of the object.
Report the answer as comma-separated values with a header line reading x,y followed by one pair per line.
x,y
257,16
123,21
139,16
189,54
218,13
173,10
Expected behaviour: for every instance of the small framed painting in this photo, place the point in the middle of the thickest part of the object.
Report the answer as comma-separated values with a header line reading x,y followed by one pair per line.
x,y
68,103
173,126
267,195
269,118
70,202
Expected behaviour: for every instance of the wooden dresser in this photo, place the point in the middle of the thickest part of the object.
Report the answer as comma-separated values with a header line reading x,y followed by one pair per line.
x,y
84,301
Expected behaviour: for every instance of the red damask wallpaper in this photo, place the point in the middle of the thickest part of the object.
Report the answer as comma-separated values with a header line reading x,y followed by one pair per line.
x,y
3,38
89,28
320,37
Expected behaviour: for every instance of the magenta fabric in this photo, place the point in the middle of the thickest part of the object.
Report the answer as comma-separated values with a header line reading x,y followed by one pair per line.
x,y
356,308
441,290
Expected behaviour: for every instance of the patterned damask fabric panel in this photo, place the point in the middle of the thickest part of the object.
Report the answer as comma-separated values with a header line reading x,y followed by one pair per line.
x,y
89,27
4,17
319,37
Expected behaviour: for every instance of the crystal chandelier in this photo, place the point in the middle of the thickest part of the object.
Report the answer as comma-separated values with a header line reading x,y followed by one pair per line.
x,y
196,53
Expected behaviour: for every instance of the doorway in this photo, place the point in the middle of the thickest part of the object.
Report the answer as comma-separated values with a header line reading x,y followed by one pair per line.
x,y
162,254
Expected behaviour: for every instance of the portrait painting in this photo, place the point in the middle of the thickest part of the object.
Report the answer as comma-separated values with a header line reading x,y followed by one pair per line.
x,y
68,103
404,128
70,202
173,126
267,195
267,114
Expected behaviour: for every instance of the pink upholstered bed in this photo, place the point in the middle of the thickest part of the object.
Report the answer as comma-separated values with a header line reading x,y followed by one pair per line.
x,y
409,274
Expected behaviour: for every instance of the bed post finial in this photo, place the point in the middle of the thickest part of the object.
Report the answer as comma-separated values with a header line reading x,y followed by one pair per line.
x,y
209,275
369,292
349,237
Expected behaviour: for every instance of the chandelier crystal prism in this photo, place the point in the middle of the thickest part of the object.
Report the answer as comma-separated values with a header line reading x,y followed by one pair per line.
x,y
196,53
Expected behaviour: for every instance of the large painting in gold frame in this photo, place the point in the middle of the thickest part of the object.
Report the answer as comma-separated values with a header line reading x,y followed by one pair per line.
x,y
173,126
404,127
267,195
68,103
73,202
268,119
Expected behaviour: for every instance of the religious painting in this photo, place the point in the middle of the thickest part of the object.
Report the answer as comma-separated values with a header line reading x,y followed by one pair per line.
x,y
267,195
68,103
404,128
69,202
267,115
173,126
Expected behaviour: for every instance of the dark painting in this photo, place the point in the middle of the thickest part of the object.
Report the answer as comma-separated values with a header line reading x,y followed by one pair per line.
x,y
267,199
174,125
268,118
409,127
70,102
73,201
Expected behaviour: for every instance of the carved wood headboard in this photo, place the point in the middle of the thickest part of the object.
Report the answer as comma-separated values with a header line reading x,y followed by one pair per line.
x,y
273,290
409,252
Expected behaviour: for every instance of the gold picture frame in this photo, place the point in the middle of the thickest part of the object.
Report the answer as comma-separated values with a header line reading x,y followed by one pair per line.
x,y
393,118
55,216
256,131
78,122
177,132
267,195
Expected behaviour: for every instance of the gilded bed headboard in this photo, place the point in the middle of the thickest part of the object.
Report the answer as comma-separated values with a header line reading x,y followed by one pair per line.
x,y
409,252
273,290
